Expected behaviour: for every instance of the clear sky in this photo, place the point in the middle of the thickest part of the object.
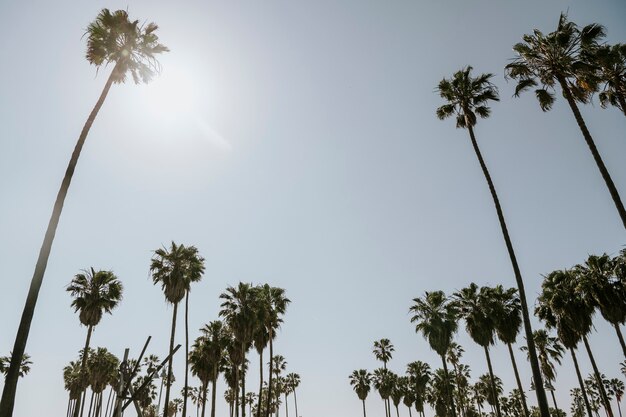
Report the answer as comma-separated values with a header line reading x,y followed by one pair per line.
x,y
293,143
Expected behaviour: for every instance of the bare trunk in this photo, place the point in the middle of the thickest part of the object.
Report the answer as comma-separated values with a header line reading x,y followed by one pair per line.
x,y
269,386
494,392
621,338
186,388
295,399
450,396
168,384
594,151
10,385
581,383
213,393
542,400
364,414
520,387
83,370
258,406
605,398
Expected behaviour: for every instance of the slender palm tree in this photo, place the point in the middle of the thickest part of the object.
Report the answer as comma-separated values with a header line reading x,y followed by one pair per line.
x,y
175,269
555,59
419,378
102,365
383,382
240,313
383,351
436,319
216,340
94,293
508,325
201,367
563,308
468,97
440,386
453,356
112,38
476,307
491,388
74,384
604,291
617,388
397,392
550,352
293,381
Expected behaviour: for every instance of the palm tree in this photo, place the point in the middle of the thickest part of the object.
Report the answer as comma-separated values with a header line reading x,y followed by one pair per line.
x,y
436,319
74,384
610,61
491,388
441,385
508,325
383,381
272,305
293,381
476,306
216,340
468,97
111,39
617,388
550,351
397,392
94,293
419,378
602,290
102,366
175,269
239,311
201,367
454,354
383,351
360,381
24,364
555,59
560,306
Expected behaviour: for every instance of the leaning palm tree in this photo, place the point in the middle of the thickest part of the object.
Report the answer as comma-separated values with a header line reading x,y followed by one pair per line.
x,y
555,59
436,319
132,49
468,97
94,293
508,325
175,269
476,306
550,352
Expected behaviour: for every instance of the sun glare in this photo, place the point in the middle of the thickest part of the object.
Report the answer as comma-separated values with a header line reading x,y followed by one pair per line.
x,y
171,96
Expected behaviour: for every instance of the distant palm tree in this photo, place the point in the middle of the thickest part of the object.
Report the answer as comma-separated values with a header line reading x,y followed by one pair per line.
x,y
383,382
216,340
476,306
440,386
419,378
610,60
468,97
25,364
508,325
175,269
436,319
454,354
103,366
201,367
555,59
74,384
383,351
550,352
111,39
491,388
94,293
360,381
293,381
617,388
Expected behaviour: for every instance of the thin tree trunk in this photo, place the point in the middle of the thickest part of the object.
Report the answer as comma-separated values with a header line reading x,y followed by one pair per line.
x,y
186,388
386,407
556,407
90,405
243,381
69,405
520,387
397,411
621,338
605,399
160,392
461,399
83,369
213,392
364,414
295,399
10,385
168,384
82,403
581,383
258,411
269,386
410,414
286,406
106,410
594,151
494,392
204,392
619,408
450,397
542,400
236,390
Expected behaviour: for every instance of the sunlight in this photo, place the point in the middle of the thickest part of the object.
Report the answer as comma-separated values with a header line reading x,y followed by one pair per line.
x,y
172,96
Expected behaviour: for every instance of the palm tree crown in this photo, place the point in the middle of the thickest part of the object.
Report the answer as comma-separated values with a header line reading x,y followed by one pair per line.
x,y
175,269
94,293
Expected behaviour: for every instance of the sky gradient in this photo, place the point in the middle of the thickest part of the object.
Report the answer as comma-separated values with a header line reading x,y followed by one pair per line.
x,y
294,143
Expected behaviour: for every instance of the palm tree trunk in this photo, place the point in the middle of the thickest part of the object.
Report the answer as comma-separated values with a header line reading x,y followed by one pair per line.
x,y
269,386
295,399
410,414
581,383
494,392
460,397
605,399
213,393
520,387
364,414
204,392
106,410
450,397
10,385
619,408
620,337
542,400
386,407
236,390
83,370
286,406
160,392
556,407
168,384
243,382
258,406
397,411
594,151
90,405
186,354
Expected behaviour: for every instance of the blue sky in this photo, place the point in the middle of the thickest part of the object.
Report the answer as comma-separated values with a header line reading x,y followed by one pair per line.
x,y
294,143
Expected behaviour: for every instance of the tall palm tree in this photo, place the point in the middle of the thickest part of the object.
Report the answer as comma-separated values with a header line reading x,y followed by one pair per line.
x,y
240,313
216,340
383,382
454,354
440,385
175,269
360,381
491,388
273,305
550,352
467,97
111,39
293,381
397,392
508,325
94,293
74,384
555,59
436,319
560,307
604,291
476,306
102,365
383,351
201,367
617,388
419,378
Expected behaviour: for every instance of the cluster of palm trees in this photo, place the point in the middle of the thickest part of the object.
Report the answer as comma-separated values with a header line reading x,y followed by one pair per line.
x,y
251,316
567,304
